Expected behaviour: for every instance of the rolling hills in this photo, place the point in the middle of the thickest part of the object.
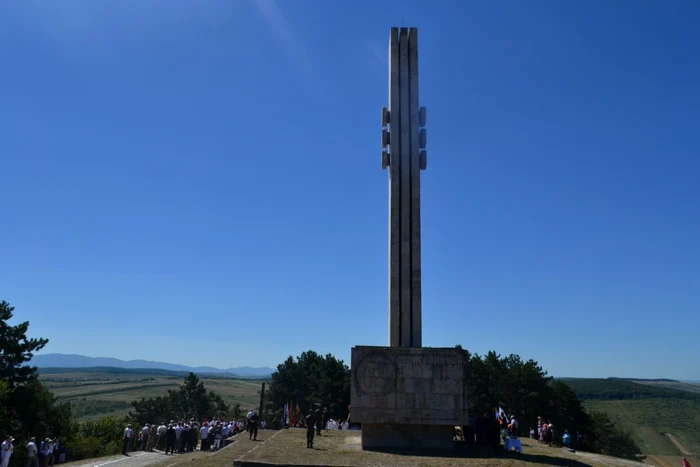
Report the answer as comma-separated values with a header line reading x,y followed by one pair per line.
x,y
57,360
99,391
661,415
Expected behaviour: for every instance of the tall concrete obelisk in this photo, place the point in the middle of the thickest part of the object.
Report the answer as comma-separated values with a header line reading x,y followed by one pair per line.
x,y
406,395
404,135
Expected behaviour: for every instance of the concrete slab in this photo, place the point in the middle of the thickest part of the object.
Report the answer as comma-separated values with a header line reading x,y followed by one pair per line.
x,y
415,396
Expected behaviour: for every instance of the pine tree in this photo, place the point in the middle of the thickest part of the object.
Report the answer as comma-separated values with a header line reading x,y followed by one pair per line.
x,y
16,349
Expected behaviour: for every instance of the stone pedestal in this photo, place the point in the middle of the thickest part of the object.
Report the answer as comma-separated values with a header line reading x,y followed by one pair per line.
x,y
408,397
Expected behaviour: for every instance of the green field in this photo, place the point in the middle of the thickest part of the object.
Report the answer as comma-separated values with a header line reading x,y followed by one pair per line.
x,y
690,387
94,393
649,410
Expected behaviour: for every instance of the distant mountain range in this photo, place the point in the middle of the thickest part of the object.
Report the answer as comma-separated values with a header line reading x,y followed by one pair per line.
x,y
58,360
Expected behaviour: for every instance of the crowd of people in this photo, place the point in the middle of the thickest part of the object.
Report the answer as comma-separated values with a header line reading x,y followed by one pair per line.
x,y
182,437
47,452
546,434
489,430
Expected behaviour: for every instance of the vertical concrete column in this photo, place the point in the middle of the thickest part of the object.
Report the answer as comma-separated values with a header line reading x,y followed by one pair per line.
x,y
404,141
416,309
394,195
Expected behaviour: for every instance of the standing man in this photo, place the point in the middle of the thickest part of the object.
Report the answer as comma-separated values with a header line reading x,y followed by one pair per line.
x,y
152,437
178,434
247,418
170,439
319,421
514,426
310,430
253,426
32,459
6,451
192,437
493,432
144,437
128,435
204,434
161,436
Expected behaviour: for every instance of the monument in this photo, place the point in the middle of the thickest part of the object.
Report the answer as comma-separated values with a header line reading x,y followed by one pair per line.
x,y
405,395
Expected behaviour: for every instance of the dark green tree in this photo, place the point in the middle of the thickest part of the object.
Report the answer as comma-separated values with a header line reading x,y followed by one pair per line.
x,y
193,398
311,379
237,413
16,349
190,400
607,438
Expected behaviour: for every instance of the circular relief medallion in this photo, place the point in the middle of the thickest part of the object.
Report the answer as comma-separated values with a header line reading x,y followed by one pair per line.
x,y
376,374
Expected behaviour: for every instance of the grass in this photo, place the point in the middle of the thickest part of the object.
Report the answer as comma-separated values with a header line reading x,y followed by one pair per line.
x,y
342,448
94,394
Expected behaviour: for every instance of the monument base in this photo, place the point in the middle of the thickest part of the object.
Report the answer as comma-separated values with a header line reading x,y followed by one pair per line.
x,y
388,436
408,397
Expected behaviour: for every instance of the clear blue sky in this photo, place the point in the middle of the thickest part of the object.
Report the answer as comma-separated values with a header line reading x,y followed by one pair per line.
x,y
181,178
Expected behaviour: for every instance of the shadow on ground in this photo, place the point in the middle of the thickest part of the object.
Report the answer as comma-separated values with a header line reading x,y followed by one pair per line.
x,y
463,451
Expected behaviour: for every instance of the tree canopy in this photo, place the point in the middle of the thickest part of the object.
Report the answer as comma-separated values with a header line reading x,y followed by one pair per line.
x,y
16,349
191,400
27,408
311,379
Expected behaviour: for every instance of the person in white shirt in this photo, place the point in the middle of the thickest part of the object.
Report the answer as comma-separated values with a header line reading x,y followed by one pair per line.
x,y
44,449
144,436
32,459
6,451
178,438
514,425
225,430
50,446
128,435
204,434
161,436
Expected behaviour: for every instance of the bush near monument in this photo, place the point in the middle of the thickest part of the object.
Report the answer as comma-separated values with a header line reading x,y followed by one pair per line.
x,y
310,379
191,400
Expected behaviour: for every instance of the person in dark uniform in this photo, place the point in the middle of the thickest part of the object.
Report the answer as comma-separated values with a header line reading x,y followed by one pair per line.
x,y
192,437
493,435
170,439
319,421
253,423
310,430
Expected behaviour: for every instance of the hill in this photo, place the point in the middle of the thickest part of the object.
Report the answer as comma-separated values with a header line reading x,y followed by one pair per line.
x,y
691,386
99,391
661,415
57,360
621,389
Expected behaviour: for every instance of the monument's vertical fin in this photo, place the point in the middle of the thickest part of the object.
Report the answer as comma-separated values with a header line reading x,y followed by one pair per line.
x,y
405,166
405,140
416,331
394,196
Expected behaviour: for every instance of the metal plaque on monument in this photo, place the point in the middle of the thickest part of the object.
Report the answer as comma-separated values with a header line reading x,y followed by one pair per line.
x,y
405,395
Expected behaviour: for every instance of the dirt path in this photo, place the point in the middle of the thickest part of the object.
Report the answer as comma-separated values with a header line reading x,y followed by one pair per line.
x,y
608,461
680,447
659,461
136,459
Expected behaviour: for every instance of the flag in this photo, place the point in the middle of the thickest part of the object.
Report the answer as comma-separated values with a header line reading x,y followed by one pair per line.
x,y
285,415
